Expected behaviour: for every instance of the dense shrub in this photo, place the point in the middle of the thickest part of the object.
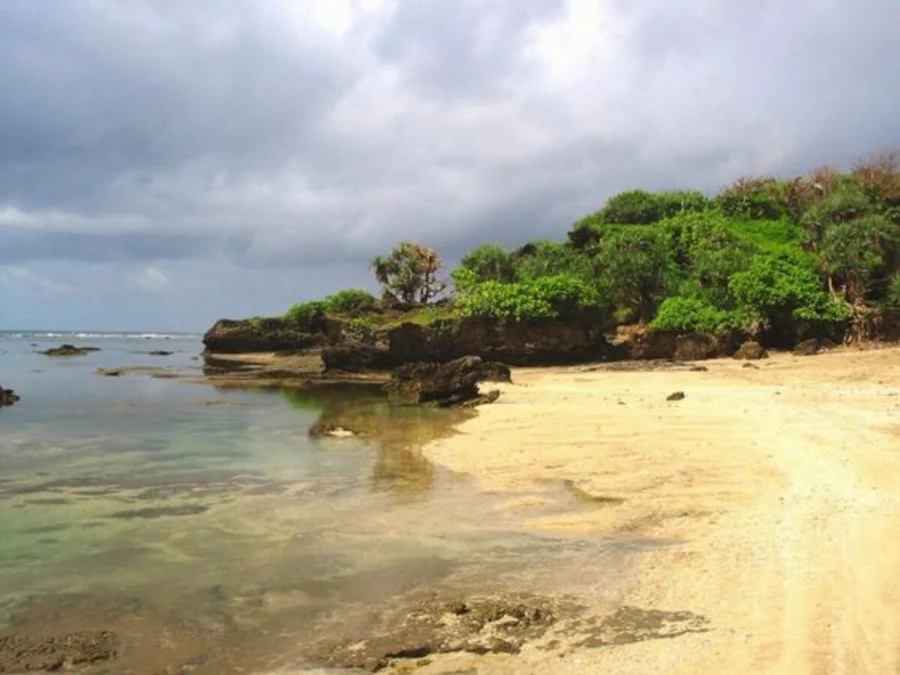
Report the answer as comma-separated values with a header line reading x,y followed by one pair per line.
x,y
552,297
753,198
638,266
489,262
892,297
351,301
634,207
854,250
693,315
879,177
775,289
548,258
302,314
674,203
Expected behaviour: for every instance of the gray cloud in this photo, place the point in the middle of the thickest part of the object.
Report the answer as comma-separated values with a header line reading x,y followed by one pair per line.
x,y
283,136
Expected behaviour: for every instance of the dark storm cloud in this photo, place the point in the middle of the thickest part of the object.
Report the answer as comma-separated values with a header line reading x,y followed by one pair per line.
x,y
242,129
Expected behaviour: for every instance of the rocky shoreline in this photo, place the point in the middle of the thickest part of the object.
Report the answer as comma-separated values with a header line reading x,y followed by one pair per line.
x,y
265,352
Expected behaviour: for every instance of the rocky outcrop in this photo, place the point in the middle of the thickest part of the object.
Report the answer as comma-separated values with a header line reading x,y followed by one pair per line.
x,y
751,351
500,624
531,344
354,356
264,335
354,347
441,384
639,343
69,350
516,344
8,397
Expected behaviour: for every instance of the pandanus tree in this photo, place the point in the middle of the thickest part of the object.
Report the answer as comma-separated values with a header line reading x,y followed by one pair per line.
x,y
409,274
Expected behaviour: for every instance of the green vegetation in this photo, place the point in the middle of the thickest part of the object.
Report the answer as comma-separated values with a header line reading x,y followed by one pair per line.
x,y
763,256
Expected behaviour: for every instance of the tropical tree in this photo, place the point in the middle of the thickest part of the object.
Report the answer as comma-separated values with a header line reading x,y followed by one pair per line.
x,y
409,273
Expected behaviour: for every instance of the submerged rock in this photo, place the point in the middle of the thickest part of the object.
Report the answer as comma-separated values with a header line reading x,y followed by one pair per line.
x,y
8,397
443,384
69,350
20,654
160,352
751,351
330,429
676,396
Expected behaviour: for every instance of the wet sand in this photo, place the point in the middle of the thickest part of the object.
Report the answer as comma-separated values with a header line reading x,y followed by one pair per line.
x,y
777,488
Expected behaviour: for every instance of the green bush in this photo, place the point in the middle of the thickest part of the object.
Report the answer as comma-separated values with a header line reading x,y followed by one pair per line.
x,y
753,198
302,314
350,301
638,266
548,258
674,203
559,296
693,315
587,232
488,262
846,203
634,207
892,299
853,251
777,287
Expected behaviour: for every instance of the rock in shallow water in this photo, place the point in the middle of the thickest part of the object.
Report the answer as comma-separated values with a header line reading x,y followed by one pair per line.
x,y
499,624
69,350
20,654
445,384
8,397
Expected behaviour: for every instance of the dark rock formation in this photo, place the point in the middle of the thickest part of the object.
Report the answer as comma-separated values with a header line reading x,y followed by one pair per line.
x,y
20,654
8,397
357,356
516,344
640,343
499,625
69,350
441,384
160,352
807,347
751,351
675,396
262,335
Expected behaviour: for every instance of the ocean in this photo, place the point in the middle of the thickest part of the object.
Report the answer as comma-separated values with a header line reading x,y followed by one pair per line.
x,y
207,530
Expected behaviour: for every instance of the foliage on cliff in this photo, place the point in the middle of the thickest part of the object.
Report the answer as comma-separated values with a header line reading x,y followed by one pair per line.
x,y
764,255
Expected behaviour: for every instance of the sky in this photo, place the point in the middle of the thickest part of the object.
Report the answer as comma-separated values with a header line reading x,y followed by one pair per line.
x,y
164,164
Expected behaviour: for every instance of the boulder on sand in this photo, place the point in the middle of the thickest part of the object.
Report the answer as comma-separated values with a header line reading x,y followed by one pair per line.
x,y
443,384
807,347
751,351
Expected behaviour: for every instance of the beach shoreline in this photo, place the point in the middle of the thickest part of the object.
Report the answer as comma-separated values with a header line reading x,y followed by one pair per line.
x,y
774,485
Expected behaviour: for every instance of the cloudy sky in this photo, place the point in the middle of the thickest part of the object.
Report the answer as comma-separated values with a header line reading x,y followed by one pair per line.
x,y
165,163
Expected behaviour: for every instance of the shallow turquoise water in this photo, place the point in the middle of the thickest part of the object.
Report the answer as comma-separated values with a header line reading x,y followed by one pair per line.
x,y
208,520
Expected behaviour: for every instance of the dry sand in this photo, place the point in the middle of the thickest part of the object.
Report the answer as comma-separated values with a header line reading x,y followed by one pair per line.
x,y
779,487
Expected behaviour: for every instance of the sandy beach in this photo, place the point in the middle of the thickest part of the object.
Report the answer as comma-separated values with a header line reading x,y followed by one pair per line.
x,y
776,486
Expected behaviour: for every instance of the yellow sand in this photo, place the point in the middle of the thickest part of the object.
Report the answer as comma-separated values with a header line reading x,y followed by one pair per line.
x,y
780,486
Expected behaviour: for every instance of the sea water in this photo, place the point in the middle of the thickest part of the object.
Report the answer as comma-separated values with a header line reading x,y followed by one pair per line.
x,y
207,529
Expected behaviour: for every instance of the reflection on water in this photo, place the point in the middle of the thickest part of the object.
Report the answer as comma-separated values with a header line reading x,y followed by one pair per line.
x,y
395,434
208,530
